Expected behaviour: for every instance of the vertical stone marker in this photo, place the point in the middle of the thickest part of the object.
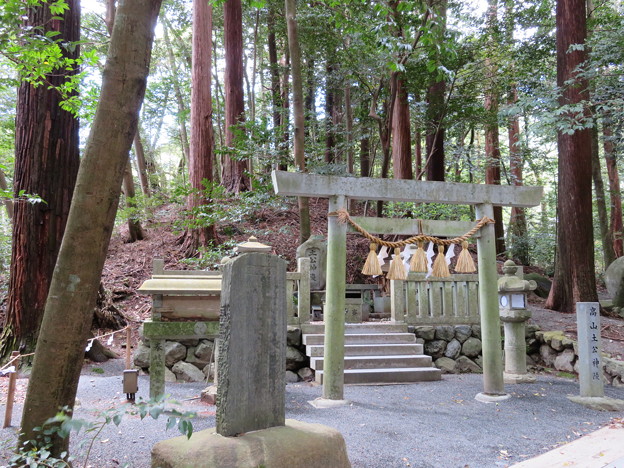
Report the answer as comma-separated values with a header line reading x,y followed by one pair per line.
x,y
589,346
252,345
315,248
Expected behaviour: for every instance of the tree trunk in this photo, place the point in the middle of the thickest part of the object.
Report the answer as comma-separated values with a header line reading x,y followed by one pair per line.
x,y
330,133
135,231
517,222
401,137
201,159
141,164
73,291
435,164
492,146
184,140
614,189
349,128
276,93
574,268
235,176
603,216
298,112
46,164
365,162
8,203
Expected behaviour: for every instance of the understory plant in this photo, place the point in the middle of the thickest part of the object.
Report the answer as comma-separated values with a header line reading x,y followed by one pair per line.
x,y
37,453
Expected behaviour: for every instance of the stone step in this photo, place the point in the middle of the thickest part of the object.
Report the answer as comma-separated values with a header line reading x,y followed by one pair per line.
x,y
388,376
378,362
370,349
363,338
352,328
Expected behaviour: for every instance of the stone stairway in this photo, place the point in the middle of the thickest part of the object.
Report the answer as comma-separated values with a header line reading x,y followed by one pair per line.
x,y
374,353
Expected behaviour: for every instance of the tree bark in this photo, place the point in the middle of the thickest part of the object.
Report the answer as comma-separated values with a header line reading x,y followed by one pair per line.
x,y
135,231
73,291
601,205
517,221
276,93
201,161
574,268
141,164
46,164
492,143
184,140
235,176
330,106
614,189
298,112
401,138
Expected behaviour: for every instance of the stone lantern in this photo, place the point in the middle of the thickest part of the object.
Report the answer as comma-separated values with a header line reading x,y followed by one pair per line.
x,y
252,245
512,299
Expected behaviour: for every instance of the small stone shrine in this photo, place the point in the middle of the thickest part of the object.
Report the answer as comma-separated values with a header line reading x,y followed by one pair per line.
x,y
251,427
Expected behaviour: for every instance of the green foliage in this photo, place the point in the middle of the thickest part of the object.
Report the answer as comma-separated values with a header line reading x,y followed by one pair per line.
x,y
37,453
427,211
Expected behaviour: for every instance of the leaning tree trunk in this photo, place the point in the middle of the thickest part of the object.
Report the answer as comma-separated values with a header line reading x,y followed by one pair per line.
x,y
46,164
575,279
614,190
601,205
73,291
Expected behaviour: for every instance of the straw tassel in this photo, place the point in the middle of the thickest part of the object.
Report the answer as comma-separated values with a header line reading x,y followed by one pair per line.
x,y
440,268
418,263
465,263
372,267
397,269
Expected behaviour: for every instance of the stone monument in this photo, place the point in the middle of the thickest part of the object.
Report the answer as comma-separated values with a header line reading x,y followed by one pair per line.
x,y
251,426
315,248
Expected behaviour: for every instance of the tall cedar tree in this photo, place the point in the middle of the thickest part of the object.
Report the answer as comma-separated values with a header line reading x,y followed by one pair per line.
x,y
202,137
290,10
235,176
574,279
401,138
492,142
46,163
73,290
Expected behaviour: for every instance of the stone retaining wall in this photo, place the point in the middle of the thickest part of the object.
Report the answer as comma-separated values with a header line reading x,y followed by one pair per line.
x,y
193,360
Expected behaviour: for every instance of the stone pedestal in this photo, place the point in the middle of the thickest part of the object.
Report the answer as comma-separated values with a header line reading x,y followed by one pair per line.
x,y
515,347
295,445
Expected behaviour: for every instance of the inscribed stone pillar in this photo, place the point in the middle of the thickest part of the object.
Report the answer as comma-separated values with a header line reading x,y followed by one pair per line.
x,y
315,248
590,365
252,345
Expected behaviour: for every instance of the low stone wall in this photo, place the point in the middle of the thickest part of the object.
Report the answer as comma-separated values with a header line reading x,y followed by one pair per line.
x,y
553,349
457,349
454,349
193,360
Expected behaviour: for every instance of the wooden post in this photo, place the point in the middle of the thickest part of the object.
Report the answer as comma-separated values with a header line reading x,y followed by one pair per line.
x,y
8,414
333,361
493,383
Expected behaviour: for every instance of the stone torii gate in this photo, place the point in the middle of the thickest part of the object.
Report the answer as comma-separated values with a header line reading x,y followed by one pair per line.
x,y
339,189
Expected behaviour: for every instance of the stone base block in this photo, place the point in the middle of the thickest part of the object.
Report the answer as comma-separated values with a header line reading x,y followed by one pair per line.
x,y
518,378
599,403
296,445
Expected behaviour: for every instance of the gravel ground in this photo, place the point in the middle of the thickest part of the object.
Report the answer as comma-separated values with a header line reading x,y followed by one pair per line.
x,y
432,424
